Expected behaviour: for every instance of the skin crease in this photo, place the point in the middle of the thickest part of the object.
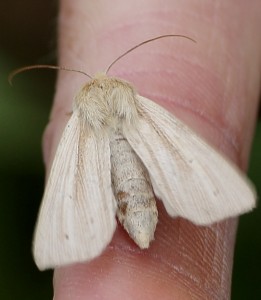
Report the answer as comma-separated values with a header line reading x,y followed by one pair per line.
x,y
212,86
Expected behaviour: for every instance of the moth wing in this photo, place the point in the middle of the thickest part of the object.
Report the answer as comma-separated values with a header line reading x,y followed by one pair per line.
x,y
77,215
190,177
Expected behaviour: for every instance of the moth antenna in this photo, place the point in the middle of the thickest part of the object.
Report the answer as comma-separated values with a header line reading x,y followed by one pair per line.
x,y
146,42
27,68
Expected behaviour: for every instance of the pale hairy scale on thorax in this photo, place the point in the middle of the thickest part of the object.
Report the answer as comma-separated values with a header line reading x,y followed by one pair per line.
x,y
104,104
106,100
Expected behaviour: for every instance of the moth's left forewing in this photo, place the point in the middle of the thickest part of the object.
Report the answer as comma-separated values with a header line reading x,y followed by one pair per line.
x,y
192,179
77,217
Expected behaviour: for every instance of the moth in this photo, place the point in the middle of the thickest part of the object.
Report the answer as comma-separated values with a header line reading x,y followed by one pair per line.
x,y
119,152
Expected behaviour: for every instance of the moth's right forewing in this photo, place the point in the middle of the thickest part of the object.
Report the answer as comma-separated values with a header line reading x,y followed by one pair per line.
x,y
189,176
77,215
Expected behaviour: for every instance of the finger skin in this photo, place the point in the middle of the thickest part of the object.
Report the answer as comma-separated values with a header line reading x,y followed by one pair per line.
x,y
212,86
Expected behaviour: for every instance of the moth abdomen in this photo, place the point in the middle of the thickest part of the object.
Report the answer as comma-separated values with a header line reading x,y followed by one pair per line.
x,y
137,210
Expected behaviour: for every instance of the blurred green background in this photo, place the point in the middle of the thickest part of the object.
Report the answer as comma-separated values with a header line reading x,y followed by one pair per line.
x,y
27,36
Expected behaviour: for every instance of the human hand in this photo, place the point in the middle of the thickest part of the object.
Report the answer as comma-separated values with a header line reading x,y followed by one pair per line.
x,y
213,86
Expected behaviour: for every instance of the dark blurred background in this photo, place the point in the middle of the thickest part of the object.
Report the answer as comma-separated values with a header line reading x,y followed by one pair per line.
x,y
28,36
